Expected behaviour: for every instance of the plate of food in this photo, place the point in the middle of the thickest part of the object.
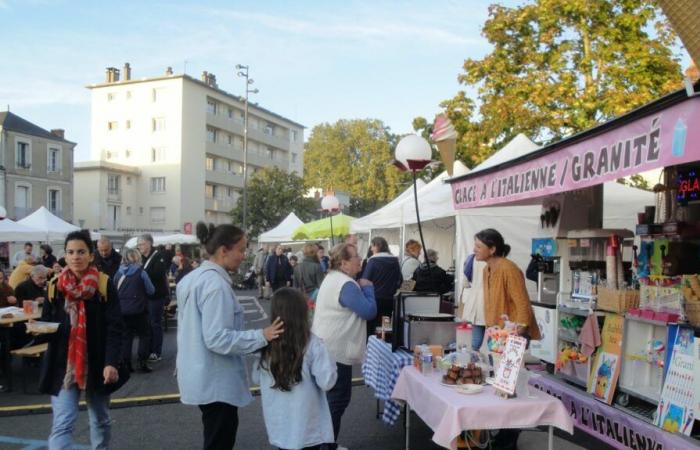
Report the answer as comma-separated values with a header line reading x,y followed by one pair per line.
x,y
40,327
469,389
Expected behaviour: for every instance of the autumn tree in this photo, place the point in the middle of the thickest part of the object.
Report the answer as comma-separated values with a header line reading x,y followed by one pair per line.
x,y
354,156
272,195
559,67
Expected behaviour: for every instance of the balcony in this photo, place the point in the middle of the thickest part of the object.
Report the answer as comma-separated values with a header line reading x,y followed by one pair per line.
x,y
114,195
224,177
219,204
224,122
275,141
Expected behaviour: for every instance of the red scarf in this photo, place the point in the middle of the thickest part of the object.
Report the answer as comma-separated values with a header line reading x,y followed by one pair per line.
x,y
76,291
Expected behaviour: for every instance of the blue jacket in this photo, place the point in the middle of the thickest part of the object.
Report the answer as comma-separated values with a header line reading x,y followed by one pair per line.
x,y
133,302
271,268
384,271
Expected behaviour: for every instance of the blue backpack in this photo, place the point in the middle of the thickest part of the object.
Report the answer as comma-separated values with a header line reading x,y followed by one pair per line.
x,y
132,293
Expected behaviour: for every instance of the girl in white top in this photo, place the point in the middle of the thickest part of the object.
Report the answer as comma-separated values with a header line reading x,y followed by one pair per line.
x,y
294,373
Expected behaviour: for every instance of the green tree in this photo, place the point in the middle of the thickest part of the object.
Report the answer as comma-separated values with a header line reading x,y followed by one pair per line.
x,y
559,67
272,195
636,181
353,156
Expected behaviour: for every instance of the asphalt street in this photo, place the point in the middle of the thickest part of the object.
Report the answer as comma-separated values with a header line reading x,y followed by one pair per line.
x,y
147,415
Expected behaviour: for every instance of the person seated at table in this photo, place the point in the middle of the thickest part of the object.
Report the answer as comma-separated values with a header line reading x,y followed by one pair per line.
x,y
7,294
21,272
22,254
430,277
35,287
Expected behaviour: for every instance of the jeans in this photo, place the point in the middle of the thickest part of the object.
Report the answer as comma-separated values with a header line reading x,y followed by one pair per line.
x,y
156,308
136,325
339,396
478,332
65,413
220,421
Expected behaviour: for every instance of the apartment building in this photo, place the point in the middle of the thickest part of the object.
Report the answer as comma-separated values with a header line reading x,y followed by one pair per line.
x,y
36,168
168,151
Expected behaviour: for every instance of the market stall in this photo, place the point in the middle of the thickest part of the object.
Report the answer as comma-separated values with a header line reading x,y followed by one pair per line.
x,y
283,231
618,300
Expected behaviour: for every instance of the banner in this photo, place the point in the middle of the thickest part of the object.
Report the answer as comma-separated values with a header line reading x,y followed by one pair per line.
x,y
662,139
608,424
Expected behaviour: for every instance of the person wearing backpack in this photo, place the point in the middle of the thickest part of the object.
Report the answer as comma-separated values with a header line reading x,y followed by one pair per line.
x,y
133,288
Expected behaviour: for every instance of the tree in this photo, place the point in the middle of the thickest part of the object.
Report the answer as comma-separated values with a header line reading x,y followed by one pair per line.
x,y
353,156
559,67
272,195
636,181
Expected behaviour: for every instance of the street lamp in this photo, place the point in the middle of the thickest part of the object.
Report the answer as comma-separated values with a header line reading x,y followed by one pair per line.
x,y
413,153
243,72
330,204
3,213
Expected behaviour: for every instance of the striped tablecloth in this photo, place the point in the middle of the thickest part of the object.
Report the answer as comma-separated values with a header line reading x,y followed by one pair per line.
x,y
381,369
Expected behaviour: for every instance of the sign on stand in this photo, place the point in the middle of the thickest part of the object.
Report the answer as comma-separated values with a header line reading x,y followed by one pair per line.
x,y
507,371
607,363
676,410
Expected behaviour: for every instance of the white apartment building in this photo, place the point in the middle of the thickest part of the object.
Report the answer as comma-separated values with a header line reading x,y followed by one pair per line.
x,y
168,151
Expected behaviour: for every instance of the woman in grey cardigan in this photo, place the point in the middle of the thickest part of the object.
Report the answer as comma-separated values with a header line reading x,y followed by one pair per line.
x,y
307,274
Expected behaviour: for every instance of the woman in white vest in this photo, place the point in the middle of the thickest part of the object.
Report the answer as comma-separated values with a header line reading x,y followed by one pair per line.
x,y
343,307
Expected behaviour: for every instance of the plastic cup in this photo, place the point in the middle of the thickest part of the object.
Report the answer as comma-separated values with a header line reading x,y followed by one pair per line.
x,y
28,307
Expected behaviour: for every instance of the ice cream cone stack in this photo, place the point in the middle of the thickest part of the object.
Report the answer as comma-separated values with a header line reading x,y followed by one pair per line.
x,y
445,137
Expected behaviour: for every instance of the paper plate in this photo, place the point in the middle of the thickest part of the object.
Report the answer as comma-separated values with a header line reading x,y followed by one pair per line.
x,y
448,385
469,388
42,327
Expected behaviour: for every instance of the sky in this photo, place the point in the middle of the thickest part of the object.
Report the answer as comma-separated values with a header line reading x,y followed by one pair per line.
x,y
313,61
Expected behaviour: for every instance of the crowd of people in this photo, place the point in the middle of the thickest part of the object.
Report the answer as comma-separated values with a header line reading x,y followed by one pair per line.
x,y
323,307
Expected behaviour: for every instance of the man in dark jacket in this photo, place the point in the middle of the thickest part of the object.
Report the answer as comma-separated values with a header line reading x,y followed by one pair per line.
x,y
156,267
432,278
107,259
278,271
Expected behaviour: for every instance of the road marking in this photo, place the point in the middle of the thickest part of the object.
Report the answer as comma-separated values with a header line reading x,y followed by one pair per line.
x,y
257,308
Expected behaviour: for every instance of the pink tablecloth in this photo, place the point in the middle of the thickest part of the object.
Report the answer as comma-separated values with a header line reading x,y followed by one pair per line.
x,y
447,412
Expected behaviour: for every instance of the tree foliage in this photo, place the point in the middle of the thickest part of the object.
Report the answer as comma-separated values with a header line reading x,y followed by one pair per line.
x,y
272,195
353,156
636,181
559,67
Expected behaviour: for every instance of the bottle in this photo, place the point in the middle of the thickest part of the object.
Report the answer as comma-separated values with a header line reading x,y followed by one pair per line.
x,y
679,135
426,360
464,335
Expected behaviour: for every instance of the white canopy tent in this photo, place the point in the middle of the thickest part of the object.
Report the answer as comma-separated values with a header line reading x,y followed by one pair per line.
x,y
166,239
374,220
283,231
52,227
11,231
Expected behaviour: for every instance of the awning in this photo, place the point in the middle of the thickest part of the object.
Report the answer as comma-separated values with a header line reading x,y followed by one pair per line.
x,y
663,133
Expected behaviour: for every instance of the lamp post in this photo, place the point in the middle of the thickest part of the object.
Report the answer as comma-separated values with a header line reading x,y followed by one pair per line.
x,y
413,153
243,72
330,204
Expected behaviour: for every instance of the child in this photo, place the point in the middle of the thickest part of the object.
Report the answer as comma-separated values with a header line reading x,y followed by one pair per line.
x,y
294,373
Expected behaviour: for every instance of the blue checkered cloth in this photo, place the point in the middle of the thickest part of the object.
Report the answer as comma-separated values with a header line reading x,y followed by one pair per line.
x,y
381,370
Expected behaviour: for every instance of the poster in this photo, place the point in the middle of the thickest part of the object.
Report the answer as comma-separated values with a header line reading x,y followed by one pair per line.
x,y
677,411
546,348
508,369
607,360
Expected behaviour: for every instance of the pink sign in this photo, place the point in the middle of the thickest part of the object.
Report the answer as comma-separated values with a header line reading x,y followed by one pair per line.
x,y
665,138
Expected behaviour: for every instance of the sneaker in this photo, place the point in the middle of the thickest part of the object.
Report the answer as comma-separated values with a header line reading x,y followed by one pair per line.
x,y
154,357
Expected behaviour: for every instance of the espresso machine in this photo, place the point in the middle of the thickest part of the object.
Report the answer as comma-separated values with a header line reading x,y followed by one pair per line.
x,y
547,252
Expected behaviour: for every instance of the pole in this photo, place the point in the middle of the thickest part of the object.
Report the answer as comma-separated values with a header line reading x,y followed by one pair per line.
x,y
420,230
245,156
330,213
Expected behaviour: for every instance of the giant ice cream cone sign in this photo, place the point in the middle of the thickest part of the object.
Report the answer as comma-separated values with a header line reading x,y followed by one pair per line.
x,y
445,137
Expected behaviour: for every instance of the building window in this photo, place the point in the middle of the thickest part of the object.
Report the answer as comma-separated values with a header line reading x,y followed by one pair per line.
x,y
140,210
24,155
211,106
211,135
294,135
270,153
158,184
157,214
157,154
53,201
113,125
113,182
157,94
230,112
230,139
127,125
231,191
270,129
158,124
54,160
112,154
209,163
110,96
128,210
294,157
209,190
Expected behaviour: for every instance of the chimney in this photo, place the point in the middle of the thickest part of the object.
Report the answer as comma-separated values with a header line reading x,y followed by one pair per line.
x,y
59,132
112,75
127,72
169,71
205,77
212,81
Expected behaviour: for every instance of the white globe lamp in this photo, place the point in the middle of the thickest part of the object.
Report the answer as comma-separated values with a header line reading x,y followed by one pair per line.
x,y
412,153
330,203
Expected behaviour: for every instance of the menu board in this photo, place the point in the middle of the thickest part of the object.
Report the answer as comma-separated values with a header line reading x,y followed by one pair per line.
x,y
678,406
606,364
507,371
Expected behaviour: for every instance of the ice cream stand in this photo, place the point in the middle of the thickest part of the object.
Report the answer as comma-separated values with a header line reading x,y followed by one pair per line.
x,y
621,304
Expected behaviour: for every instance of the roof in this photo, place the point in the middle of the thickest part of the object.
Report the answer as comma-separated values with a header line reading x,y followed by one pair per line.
x,y
655,106
12,122
201,83
105,165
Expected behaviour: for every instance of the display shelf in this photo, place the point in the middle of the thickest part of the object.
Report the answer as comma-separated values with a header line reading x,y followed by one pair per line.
x,y
643,412
575,311
647,393
566,338
599,233
571,379
649,321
